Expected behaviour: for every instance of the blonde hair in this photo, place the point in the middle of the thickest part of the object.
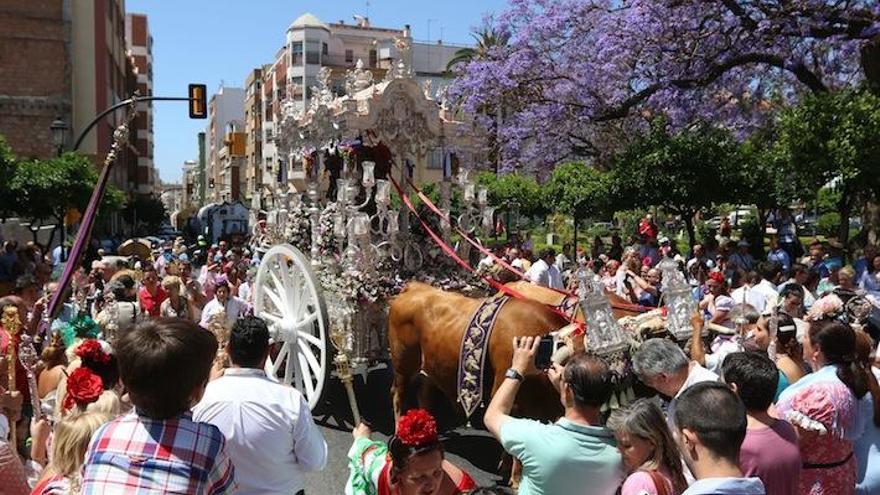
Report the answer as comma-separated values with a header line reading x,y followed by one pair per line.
x,y
170,281
848,272
72,436
107,404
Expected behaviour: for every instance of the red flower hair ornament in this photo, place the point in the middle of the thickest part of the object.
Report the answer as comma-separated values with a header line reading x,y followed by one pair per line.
x,y
717,276
417,428
83,388
91,349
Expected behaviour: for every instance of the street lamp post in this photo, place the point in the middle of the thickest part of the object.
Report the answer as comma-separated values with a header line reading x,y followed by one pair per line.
x,y
59,129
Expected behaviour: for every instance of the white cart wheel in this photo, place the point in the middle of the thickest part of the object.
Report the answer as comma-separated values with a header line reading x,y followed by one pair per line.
x,y
289,298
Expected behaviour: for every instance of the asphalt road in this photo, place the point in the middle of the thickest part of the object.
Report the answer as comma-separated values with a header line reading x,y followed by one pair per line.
x,y
471,449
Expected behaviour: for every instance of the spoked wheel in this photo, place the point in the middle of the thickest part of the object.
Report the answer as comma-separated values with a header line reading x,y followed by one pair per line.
x,y
288,297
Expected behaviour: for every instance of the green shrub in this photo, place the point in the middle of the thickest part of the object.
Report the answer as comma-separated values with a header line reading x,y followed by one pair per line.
x,y
597,230
628,221
827,224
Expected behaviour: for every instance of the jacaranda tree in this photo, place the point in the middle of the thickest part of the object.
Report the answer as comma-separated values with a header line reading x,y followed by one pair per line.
x,y
576,73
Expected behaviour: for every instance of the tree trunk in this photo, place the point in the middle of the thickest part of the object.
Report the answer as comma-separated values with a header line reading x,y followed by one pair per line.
x,y
870,233
689,225
870,62
844,206
575,243
762,227
52,237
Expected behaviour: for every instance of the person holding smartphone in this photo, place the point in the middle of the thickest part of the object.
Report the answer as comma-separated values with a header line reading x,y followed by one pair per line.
x,y
576,451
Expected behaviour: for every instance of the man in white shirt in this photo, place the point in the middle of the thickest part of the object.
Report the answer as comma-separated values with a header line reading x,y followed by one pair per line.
x,y
544,272
663,366
222,302
770,273
513,256
270,434
799,275
761,291
563,259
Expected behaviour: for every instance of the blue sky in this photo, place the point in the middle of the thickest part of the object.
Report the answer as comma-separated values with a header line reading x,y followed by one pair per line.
x,y
214,41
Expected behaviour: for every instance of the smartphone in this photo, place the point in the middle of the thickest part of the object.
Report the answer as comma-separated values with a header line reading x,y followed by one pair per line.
x,y
545,353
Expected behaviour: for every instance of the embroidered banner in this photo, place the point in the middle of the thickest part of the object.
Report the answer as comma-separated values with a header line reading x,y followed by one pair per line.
x,y
472,358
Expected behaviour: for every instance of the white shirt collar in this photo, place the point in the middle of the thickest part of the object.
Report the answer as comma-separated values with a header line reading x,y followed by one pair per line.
x,y
244,372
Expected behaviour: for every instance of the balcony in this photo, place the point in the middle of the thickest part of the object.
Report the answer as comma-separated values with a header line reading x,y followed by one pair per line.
x,y
337,60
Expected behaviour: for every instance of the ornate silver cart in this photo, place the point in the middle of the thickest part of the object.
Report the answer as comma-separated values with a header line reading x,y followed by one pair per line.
x,y
330,306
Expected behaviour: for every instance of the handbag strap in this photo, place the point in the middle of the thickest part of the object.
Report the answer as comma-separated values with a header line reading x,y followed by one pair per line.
x,y
659,482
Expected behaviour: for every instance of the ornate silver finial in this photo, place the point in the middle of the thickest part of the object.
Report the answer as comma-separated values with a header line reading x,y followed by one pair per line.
x,y
680,303
604,336
403,67
358,79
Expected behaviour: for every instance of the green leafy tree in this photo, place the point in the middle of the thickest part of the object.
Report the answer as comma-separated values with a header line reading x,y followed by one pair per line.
x,y
678,172
7,170
755,176
147,213
833,139
581,191
42,191
514,191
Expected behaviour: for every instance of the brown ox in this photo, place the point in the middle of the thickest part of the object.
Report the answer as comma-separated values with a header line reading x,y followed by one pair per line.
x,y
426,325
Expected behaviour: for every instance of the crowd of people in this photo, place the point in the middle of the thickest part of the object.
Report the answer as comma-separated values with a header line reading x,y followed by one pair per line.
x,y
722,271
151,379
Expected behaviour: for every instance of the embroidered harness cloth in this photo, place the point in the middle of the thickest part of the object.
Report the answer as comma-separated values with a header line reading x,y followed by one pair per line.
x,y
569,306
472,358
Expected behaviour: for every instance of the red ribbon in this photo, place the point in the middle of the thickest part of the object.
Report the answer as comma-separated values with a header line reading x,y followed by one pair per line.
x,y
431,206
464,264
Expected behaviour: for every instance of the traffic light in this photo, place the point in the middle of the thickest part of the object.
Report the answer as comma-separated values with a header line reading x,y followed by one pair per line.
x,y
198,101
211,183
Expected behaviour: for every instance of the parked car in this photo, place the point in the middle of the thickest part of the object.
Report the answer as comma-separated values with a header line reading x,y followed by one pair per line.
x,y
714,222
738,215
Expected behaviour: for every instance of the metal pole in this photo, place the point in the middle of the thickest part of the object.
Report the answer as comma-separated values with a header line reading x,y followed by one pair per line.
x,y
121,104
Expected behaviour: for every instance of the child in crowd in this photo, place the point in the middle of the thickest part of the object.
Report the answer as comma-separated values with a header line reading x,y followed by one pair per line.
x,y
164,363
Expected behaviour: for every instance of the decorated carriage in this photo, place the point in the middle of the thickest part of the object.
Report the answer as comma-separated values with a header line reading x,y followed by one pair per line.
x,y
332,246
335,243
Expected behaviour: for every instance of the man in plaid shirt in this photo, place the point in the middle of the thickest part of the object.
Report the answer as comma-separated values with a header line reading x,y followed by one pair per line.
x,y
165,364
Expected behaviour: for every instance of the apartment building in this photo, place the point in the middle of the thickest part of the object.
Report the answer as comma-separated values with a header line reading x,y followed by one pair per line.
x,y
225,115
140,48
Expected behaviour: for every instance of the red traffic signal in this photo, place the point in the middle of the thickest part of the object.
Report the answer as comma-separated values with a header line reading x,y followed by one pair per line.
x,y
198,101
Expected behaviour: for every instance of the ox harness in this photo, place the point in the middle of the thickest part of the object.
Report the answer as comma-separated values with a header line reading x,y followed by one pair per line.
x,y
472,357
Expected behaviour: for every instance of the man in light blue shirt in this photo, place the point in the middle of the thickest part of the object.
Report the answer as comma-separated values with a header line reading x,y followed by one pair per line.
x,y
574,456
710,425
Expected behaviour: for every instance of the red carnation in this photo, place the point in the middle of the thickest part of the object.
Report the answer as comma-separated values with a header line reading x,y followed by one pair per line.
x,y
83,387
91,349
417,428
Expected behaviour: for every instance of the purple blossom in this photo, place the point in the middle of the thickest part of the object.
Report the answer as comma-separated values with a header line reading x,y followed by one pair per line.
x,y
575,73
